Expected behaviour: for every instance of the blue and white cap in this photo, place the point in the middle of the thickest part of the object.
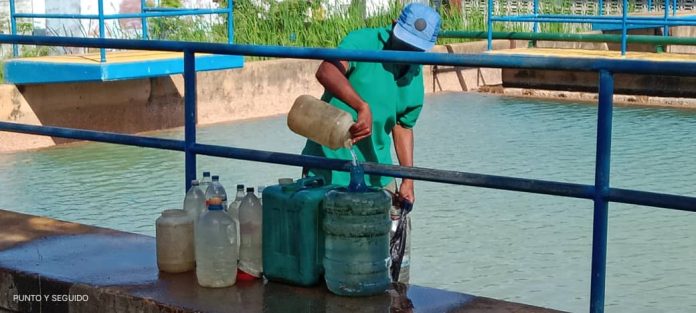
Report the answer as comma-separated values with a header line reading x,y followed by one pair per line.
x,y
418,26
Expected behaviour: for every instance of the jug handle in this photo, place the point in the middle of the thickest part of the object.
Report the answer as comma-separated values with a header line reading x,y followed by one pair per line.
x,y
314,181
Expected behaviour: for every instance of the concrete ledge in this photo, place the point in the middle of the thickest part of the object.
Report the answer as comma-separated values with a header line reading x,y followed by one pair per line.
x,y
53,266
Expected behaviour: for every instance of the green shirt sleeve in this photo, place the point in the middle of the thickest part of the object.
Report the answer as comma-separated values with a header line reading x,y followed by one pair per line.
x,y
362,39
411,96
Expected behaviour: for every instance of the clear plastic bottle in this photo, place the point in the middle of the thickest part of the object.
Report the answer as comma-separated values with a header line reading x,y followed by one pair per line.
x,y
216,190
237,199
250,219
216,242
194,202
233,210
320,122
260,189
205,181
174,240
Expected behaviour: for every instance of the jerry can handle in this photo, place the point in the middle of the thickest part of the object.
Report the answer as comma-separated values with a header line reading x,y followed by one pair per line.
x,y
309,182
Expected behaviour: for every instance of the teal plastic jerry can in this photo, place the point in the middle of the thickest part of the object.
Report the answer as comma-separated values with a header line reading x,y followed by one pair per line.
x,y
293,240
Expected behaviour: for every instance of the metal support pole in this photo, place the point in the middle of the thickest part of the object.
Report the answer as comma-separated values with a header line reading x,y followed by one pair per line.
x,y
649,5
536,15
490,25
230,21
190,116
665,31
143,19
535,28
624,27
601,207
102,51
13,28
601,7
674,8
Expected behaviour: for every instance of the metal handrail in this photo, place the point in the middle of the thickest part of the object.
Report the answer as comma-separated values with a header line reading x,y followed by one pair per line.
x,y
145,13
601,192
624,20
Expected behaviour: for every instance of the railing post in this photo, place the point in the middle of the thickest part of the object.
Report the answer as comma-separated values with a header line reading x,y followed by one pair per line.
x,y
624,27
230,21
536,15
102,51
601,206
649,5
601,7
490,25
13,28
665,31
190,115
535,28
674,8
143,19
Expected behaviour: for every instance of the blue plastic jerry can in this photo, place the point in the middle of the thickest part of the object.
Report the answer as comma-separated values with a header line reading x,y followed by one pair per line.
x,y
293,239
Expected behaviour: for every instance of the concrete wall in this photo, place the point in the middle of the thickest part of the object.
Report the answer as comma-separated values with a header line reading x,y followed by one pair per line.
x,y
645,85
259,89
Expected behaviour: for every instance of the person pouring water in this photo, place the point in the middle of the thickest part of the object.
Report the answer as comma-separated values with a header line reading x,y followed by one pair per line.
x,y
384,99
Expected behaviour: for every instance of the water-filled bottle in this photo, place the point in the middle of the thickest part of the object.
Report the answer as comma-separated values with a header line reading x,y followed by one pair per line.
x,y
259,190
174,240
356,256
194,202
250,219
205,181
320,122
233,211
216,253
237,198
216,190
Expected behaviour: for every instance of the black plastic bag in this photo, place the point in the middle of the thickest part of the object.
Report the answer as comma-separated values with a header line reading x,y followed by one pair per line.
x,y
397,244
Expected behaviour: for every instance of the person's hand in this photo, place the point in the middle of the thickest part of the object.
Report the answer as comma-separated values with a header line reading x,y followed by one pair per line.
x,y
363,126
406,190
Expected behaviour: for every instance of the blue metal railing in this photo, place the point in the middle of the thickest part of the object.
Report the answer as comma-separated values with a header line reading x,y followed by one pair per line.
x,y
145,13
601,193
624,19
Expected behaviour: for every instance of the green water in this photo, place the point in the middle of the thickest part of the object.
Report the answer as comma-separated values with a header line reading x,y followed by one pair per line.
x,y
520,247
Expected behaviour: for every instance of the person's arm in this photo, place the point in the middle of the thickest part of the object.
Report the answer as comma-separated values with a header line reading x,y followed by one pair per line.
x,y
403,144
332,75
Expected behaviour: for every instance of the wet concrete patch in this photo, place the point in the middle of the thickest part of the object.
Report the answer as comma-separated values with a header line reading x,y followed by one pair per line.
x,y
96,259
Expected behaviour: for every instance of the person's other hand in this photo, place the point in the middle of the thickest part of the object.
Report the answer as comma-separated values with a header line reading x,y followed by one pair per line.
x,y
406,190
363,126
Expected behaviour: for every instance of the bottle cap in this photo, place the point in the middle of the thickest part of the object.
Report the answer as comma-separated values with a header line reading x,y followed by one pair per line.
x,y
215,207
206,174
195,182
216,177
240,187
250,189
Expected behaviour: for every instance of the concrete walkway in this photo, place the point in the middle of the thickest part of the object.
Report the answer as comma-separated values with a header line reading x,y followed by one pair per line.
x,y
53,266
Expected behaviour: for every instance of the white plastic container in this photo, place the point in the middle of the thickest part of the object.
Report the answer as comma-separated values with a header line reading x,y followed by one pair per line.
x,y
250,219
216,248
320,122
175,237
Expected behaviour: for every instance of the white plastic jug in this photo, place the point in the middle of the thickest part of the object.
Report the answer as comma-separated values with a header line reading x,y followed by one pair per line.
x,y
320,122
175,250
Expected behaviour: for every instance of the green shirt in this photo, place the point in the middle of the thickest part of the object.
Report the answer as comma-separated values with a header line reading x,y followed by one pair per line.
x,y
393,99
